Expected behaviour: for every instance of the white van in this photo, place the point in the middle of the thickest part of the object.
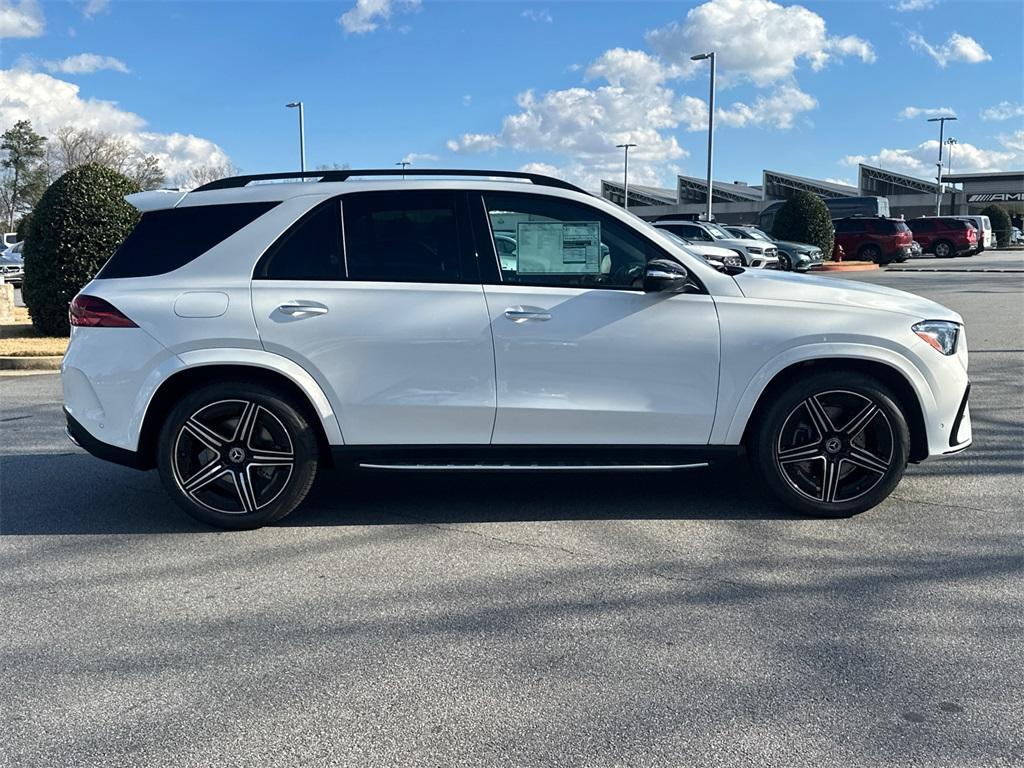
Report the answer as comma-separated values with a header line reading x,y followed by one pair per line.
x,y
984,227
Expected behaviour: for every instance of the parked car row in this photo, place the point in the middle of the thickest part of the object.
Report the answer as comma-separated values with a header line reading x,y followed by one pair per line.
x,y
12,267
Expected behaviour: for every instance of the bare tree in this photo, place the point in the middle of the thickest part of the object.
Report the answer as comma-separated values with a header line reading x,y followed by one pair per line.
x,y
204,174
71,147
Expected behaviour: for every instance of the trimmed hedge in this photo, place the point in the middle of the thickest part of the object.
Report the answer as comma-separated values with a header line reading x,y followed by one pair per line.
x,y
1000,224
78,223
805,219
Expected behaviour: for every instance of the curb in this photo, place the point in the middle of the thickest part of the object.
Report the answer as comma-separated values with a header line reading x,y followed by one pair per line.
x,y
31,363
848,266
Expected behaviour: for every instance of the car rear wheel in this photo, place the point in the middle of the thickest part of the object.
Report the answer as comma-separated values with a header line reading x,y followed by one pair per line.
x,y
237,455
833,445
944,249
871,253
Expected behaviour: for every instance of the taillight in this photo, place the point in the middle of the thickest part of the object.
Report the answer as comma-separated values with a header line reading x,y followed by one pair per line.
x,y
94,312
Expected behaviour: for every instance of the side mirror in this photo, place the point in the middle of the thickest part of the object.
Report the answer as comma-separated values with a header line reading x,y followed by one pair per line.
x,y
666,275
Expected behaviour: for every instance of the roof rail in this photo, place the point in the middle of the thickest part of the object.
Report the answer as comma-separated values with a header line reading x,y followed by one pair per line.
x,y
234,182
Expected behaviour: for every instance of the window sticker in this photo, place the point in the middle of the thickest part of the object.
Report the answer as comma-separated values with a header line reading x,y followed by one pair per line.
x,y
561,247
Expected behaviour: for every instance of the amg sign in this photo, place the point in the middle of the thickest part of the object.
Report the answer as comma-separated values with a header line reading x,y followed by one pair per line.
x,y
996,197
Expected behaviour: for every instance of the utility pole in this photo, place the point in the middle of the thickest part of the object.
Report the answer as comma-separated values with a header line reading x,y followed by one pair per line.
x,y
938,181
405,164
625,174
302,133
711,122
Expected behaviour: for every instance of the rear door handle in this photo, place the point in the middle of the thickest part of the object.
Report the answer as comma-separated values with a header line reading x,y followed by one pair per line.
x,y
297,309
522,314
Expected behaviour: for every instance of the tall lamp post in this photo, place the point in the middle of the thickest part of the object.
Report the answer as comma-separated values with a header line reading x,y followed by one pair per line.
x,y
711,121
405,164
625,175
302,133
950,142
938,182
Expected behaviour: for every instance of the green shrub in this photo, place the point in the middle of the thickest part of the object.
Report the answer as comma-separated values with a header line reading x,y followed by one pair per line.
x,y
805,219
78,223
22,229
1000,224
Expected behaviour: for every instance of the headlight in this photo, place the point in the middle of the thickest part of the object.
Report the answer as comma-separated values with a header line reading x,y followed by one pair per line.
x,y
755,249
940,334
732,261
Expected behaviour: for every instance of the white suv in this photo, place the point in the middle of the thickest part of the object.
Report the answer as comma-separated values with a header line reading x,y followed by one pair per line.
x,y
372,323
755,254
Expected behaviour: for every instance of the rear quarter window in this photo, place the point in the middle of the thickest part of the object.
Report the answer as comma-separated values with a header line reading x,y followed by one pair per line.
x,y
165,240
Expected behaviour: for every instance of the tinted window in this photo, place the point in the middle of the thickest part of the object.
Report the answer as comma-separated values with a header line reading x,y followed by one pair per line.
x,y
164,240
563,243
849,225
309,250
402,237
922,225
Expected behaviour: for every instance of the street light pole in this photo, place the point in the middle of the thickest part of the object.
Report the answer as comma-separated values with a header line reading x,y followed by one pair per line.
x,y
302,133
625,175
950,142
711,122
938,182
405,164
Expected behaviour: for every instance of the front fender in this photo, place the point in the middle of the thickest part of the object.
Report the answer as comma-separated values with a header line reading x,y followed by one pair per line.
x,y
731,418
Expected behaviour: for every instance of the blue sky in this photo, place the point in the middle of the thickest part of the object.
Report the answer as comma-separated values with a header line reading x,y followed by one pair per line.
x,y
808,88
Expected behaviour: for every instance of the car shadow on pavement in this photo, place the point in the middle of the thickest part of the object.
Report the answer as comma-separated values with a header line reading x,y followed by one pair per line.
x,y
72,493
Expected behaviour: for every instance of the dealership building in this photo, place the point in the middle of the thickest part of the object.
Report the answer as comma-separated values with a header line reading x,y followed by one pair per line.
x,y
909,197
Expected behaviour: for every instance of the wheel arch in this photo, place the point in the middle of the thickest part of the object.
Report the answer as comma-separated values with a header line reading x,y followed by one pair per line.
x,y
201,374
890,376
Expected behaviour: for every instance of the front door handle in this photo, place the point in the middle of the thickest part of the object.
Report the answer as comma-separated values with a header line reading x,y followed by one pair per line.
x,y
297,309
522,314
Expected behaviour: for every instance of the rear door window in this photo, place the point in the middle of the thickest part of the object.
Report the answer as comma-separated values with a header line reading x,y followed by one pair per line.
x,y
165,240
413,236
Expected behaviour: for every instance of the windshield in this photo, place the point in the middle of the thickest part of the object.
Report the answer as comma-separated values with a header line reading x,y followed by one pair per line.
x,y
717,231
758,234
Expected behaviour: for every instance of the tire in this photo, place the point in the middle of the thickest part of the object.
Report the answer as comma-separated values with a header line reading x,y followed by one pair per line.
x,y
871,253
943,249
785,263
820,470
225,478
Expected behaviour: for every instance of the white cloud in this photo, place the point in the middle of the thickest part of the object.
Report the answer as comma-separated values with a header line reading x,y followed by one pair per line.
x,y
1004,110
51,103
21,18
776,110
419,157
756,40
537,15
920,160
1014,141
85,63
474,142
467,100
847,182
913,5
94,7
912,113
957,48
367,15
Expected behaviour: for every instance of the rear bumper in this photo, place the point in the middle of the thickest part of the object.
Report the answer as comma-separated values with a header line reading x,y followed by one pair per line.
x,y
80,436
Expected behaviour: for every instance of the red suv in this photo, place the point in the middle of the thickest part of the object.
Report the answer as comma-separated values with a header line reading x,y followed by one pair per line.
x,y
874,239
945,236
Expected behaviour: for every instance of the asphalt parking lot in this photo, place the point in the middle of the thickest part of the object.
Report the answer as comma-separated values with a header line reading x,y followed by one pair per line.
x,y
656,620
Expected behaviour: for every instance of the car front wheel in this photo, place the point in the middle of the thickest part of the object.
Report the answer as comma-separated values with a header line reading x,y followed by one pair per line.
x,y
833,445
237,455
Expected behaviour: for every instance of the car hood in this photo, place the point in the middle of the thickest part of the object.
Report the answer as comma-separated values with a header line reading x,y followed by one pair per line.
x,y
738,242
787,286
796,246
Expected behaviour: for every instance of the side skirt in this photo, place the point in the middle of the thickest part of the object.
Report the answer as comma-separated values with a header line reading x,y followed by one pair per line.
x,y
532,458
